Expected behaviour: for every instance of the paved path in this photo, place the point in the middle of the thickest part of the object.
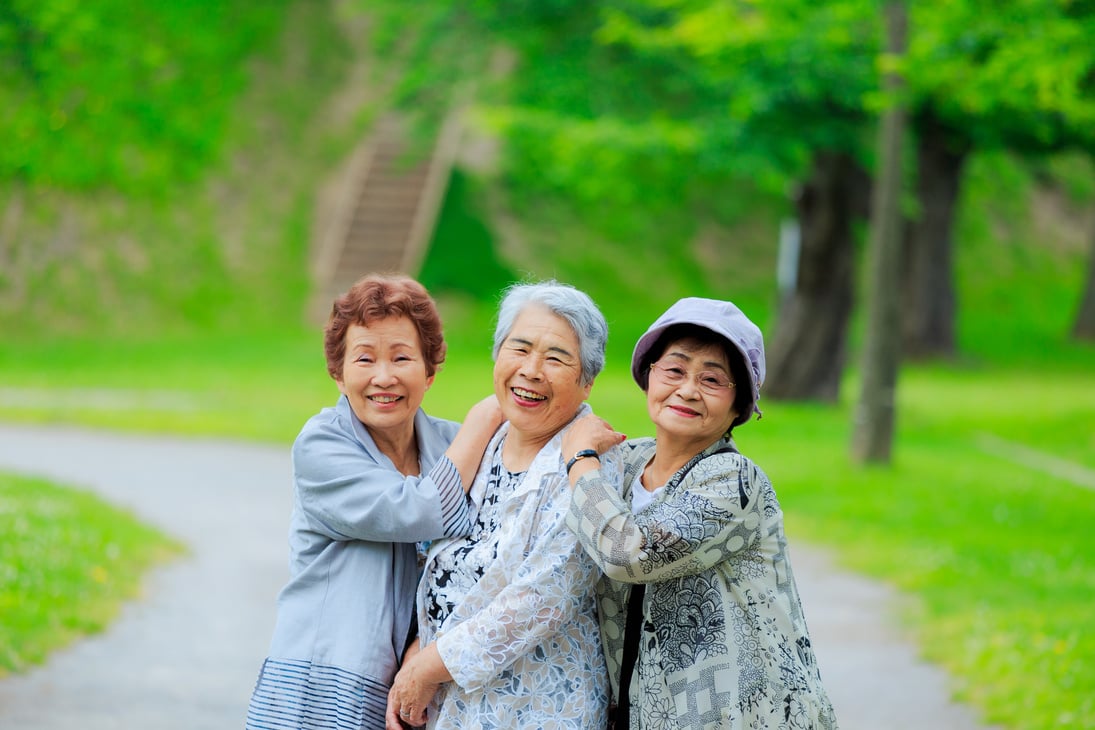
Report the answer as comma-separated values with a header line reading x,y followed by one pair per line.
x,y
186,654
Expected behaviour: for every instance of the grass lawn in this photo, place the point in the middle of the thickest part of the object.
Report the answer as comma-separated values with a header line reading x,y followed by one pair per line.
x,y
67,560
970,520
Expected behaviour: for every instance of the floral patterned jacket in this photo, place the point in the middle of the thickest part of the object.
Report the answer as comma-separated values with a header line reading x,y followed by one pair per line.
x,y
522,643
724,642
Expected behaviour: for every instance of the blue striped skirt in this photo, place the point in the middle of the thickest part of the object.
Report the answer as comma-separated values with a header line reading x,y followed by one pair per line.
x,y
298,695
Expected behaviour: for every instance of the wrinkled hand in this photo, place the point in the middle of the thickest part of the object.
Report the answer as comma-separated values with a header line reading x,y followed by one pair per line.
x,y
414,688
590,432
486,414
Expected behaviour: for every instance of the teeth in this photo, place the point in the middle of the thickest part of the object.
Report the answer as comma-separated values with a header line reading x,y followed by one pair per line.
x,y
528,394
384,398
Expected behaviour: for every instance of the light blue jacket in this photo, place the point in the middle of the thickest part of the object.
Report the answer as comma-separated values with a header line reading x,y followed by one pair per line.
x,y
353,563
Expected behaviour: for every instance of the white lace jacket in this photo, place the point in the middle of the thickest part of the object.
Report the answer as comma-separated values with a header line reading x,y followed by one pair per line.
x,y
523,644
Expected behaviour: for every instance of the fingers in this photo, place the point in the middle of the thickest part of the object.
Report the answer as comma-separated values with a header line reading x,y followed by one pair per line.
x,y
391,716
400,716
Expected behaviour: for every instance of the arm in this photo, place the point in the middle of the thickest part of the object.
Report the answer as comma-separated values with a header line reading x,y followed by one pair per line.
x,y
414,686
588,432
534,590
466,449
347,495
715,512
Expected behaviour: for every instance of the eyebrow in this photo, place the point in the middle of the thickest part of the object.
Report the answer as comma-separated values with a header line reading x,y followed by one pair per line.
x,y
528,343
371,345
688,358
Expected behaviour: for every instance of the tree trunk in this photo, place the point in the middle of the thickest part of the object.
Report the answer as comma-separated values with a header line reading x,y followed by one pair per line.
x,y
1084,326
807,353
928,289
873,433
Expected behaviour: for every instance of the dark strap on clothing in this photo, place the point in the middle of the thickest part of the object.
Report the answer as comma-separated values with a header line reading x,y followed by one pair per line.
x,y
632,629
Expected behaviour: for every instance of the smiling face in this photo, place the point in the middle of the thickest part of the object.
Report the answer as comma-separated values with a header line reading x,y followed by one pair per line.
x,y
537,374
685,413
384,376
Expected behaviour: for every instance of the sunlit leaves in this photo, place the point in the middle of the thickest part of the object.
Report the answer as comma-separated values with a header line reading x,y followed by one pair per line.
x,y
121,94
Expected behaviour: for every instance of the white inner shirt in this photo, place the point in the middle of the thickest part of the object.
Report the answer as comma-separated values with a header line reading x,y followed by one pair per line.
x,y
640,498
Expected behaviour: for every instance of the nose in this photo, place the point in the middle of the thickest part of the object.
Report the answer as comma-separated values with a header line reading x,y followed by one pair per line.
x,y
690,388
384,374
531,367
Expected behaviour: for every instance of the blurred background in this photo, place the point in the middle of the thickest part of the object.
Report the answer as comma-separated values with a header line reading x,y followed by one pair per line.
x,y
902,196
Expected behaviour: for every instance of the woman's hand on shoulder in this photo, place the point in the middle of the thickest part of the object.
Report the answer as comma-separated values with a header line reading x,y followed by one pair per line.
x,y
466,450
590,432
486,414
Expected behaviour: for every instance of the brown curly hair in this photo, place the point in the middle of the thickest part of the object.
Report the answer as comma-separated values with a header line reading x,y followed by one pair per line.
x,y
379,296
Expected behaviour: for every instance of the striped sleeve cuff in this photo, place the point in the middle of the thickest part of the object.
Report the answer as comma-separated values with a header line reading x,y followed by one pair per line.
x,y
454,503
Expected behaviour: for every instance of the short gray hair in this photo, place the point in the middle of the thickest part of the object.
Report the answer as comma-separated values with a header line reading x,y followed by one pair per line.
x,y
571,304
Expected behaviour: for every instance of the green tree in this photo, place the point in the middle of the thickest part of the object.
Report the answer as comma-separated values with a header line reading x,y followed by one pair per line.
x,y
121,94
1017,75
982,76
872,439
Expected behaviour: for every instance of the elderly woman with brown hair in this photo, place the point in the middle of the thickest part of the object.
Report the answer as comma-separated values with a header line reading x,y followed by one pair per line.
x,y
700,615
508,626
373,474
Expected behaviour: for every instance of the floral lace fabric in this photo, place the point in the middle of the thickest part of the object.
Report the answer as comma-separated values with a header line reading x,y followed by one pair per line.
x,y
521,641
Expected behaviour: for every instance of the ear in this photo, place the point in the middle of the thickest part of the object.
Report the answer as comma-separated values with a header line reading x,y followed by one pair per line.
x,y
586,390
341,386
429,380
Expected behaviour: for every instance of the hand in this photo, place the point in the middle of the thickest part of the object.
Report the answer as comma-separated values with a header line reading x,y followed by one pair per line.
x,y
414,688
466,450
486,414
403,710
590,432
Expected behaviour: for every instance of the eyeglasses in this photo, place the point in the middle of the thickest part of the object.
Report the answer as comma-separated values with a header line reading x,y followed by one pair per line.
x,y
710,382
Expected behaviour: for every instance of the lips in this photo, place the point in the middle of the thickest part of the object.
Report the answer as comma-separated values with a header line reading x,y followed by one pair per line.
x,y
384,398
684,411
528,395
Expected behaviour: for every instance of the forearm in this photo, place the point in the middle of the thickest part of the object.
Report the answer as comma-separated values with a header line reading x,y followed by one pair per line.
x,y
466,449
428,667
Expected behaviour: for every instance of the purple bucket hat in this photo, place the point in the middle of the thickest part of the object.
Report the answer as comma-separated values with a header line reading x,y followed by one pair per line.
x,y
722,318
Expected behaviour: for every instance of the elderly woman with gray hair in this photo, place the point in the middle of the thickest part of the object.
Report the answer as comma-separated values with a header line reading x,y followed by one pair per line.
x,y
508,629
700,615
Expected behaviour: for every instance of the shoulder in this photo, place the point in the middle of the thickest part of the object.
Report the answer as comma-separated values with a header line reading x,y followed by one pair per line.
x,y
441,427
324,435
730,466
328,421
637,448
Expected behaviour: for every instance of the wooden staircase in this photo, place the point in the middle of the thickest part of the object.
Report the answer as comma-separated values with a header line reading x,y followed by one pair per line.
x,y
386,213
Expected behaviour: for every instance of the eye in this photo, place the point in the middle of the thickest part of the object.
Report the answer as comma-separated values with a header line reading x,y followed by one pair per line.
x,y
711,380
674,373
364,359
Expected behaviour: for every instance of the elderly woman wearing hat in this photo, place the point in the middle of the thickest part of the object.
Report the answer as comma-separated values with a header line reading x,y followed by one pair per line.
x,y
699,612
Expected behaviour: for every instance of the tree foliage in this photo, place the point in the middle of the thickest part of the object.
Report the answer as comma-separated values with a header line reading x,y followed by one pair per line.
x,y
120,94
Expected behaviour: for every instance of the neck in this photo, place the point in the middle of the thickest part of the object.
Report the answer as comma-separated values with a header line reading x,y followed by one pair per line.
x,y
519,449
669,456
401,448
